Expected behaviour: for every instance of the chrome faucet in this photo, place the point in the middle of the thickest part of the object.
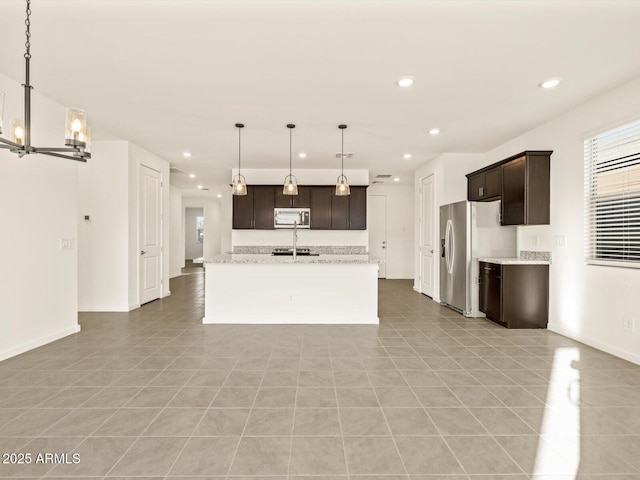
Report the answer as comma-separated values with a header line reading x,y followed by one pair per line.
x,y
295,239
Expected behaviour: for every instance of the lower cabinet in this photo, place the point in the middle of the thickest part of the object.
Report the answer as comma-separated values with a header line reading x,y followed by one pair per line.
x,y
515,296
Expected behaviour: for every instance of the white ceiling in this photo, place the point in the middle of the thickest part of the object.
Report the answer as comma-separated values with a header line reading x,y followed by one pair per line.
x,y
176,75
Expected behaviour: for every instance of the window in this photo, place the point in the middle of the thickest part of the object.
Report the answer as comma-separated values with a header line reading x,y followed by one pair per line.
x,y
199,229
612,197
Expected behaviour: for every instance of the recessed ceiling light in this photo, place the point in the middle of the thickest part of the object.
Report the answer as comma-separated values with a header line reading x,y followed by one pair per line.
x,y
396,179
407,156
192,175
219,195
200,187
434,131
552,82
302,155
186,154
406,81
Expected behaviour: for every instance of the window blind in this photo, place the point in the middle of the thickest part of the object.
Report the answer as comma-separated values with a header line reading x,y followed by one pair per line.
x,y
612,196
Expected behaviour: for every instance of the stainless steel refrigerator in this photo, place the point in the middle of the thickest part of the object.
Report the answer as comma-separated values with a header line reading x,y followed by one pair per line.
x,y
469,230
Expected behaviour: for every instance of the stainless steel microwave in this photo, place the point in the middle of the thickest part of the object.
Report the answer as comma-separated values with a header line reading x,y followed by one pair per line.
x,y
287,217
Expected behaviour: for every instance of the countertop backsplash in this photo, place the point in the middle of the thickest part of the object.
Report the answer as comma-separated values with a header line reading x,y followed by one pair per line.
x,y
531,255
319,249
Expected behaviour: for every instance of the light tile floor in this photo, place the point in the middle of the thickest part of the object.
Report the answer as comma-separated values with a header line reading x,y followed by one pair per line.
x,y
428,394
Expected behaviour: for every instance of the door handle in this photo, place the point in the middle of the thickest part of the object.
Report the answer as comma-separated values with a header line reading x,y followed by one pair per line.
x,y
142,252
383,246
431,251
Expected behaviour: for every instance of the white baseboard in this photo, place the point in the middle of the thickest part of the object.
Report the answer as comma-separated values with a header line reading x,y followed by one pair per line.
x,y
100,308
38,343
605,347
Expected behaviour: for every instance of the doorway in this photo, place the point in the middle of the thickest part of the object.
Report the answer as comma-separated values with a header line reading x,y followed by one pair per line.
x,y
426,236
377,224
193,237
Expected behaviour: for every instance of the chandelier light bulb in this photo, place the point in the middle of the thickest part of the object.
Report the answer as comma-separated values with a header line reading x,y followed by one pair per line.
x,y
18,132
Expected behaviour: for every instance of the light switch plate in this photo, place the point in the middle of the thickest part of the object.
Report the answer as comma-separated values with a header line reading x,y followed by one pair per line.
x,y
560,240
66,244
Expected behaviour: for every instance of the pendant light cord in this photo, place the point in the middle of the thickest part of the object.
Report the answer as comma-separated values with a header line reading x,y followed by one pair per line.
x,y
239,148
290,149
342,154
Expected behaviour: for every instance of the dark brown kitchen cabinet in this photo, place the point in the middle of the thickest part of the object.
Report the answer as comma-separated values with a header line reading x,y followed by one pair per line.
x,y
263,204
328,212
340,212
243,210
320,201
515,296
302,200
485,186
521,182
358,208
526,190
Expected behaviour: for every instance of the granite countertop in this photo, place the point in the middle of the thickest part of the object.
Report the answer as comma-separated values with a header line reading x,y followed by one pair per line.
x,y
513,261
277,259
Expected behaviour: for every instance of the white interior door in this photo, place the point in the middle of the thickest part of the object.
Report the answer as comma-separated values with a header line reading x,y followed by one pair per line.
x,y
150,235
426,236
377,226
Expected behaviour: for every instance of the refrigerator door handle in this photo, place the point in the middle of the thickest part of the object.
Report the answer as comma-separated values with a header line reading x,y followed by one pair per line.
x,y
452,254
447,243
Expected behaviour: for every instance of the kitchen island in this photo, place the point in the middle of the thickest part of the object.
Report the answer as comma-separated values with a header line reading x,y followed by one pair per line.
x,y
266,289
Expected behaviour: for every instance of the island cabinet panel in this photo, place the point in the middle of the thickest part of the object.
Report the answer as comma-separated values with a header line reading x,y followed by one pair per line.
x,y
243,210
263,204
320,204
340,212
358,208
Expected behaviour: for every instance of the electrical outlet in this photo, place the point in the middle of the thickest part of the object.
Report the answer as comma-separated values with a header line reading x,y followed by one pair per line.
x,y
66,244
535,240
629,324
560,240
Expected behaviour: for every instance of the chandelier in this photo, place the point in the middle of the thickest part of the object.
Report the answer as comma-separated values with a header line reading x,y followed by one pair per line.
x,y
77,139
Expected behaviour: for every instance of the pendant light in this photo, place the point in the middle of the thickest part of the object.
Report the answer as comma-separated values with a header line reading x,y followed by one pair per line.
x,y
77,139
239,182
290,182
342,184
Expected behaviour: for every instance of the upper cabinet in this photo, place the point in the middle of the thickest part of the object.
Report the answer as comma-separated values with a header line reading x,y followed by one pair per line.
x,y
328,212
522,183
243,210
485,186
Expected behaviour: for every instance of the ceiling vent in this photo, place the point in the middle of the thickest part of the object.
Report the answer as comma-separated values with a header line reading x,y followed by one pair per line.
x,y
383,176
346,154
175,170
376,181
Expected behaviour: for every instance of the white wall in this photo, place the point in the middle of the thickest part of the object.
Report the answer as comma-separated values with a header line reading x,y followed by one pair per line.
x,y
450,185
192,248
39,198
310,176
109,251
176,253
587,302
103,241
400,228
